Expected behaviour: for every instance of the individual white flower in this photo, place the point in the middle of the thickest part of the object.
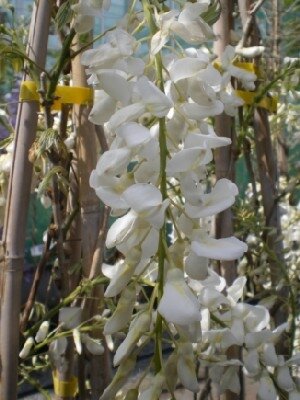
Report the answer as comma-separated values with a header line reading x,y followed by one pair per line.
x,y
123,311
27,347
186,368
137,328
220,198
218,249
42,332
266,390
178,303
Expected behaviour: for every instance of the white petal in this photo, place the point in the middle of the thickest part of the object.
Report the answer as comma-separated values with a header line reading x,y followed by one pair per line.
x,y
42,332
219,249
142,196
120,229
77,340
198,112
125,114
220,198
123,312
70,317
185,68
133,134
113,162
251,362
196,267
150,245
111,197
266,390
284,379
115,85
250,52
137,328
188,159
156,101
256,319
156,215
269,355
120,280
103,108
93,346
210,140
235,291
158,40
212,298
186,367
27,347
230,380
155,388
178,304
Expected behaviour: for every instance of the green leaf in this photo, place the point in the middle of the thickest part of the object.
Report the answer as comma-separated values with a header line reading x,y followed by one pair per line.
x,y
64,15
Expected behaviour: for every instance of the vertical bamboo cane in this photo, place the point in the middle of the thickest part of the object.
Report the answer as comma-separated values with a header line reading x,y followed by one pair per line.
x,y
268,177
225,161
16,212
224,125
91,215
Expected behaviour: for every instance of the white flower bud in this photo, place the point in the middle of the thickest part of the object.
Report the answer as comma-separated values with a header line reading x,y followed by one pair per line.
x,y
42,332
27,347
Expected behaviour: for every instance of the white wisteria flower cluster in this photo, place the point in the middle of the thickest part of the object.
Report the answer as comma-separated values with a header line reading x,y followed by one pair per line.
x,y
157,112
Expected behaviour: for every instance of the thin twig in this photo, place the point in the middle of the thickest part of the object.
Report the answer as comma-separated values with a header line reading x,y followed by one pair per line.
x,y
35,284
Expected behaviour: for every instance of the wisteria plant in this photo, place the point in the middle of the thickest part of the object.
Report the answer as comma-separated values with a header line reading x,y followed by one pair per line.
x,y
157,111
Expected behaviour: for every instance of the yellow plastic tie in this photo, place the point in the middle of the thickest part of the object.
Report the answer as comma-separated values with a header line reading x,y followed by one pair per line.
x,y
63,94
267,102
65,388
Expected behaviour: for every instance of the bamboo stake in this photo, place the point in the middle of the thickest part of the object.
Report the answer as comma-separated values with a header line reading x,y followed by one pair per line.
x,y
16,212
268,176
92,216
225,156
225,162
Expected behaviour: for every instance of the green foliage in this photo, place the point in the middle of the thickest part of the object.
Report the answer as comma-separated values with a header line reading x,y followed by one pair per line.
x,y
64,15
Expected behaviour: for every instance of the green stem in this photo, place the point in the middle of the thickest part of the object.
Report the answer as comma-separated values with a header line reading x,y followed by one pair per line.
x,y
163,188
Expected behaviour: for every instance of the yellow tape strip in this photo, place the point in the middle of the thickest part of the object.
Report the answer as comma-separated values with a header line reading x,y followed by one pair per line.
x,y
65,388
64,94
267,102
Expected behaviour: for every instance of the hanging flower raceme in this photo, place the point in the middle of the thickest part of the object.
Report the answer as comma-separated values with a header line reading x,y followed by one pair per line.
x,y
156,114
